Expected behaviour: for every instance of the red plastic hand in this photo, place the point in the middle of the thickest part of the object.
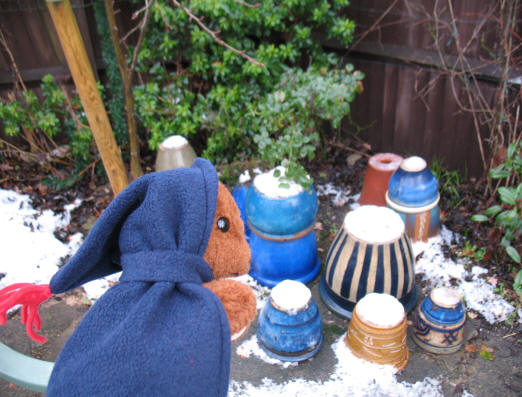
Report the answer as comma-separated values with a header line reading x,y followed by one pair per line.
x,y
30,296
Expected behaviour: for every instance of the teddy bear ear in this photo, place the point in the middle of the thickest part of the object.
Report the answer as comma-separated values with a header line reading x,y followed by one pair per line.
x,y
98,256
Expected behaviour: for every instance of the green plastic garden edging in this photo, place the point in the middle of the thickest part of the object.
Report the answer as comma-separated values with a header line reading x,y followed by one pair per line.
x,y
25,371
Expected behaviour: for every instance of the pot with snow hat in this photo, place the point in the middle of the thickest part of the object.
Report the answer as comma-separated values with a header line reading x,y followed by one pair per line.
x,y
174,152
380,168
377,331
413,194
370,253
440,321
289,325
282,240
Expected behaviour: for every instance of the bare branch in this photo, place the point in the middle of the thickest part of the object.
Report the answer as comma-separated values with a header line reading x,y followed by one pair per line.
x,y
143,28
215,36
257,5
3,41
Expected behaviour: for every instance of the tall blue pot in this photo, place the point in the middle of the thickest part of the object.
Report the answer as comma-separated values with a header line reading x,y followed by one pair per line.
x,y
281,237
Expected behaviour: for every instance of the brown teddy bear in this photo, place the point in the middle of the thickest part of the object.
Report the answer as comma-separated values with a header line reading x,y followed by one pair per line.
x,y
166,327
228,255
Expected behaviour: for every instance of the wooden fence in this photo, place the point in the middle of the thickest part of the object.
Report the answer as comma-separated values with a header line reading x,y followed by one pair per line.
x,y
407,107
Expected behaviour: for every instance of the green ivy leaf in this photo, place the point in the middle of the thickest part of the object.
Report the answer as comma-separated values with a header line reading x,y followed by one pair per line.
x,y
479,218
514,255
507,195
493,210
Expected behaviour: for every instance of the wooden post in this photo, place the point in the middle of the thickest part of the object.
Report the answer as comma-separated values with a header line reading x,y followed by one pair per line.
x,y
74,50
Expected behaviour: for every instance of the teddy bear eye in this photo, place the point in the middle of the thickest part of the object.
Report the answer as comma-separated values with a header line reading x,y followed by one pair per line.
x,y
223,225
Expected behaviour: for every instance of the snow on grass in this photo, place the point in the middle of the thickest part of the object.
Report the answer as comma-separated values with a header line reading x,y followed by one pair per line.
x,y
479,295
29,250
351,377
30,253
339,195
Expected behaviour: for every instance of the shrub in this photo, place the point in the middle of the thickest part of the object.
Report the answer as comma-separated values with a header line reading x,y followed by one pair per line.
x,y
195,85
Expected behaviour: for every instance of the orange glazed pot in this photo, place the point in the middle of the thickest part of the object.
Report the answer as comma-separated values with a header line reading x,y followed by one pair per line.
x,y
380,168
377,343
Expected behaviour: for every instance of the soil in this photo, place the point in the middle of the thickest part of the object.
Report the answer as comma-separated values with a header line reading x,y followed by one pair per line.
x,y
464,370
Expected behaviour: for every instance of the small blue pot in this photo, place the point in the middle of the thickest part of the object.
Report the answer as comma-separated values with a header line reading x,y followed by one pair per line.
x,y
439,328
281,217
290,337
413,186
273,261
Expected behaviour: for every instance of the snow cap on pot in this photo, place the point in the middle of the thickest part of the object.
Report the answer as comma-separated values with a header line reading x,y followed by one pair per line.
x,y
289,325
413,194
281,216
370,253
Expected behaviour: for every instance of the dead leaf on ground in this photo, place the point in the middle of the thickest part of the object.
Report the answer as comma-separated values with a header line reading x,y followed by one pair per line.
x,y
471,348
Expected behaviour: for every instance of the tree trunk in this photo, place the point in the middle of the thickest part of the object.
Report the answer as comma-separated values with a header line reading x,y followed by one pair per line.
x,y
126,77
74,50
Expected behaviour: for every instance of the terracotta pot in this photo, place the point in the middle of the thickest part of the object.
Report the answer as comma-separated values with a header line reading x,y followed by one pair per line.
x,y
174,152
378,344
380,168
440,321
356,266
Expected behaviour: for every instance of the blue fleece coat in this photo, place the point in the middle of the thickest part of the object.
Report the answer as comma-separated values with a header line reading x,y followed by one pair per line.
x,y
158,332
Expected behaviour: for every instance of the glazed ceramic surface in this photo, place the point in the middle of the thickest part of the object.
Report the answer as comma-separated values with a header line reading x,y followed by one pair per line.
x,y
419,225
239,194
355,267
413,184
380,168
413,194
290,336
278,217
169,158
275,260
381,345
439,326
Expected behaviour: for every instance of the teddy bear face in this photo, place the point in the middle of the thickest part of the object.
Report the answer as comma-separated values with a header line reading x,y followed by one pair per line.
x,y
227,253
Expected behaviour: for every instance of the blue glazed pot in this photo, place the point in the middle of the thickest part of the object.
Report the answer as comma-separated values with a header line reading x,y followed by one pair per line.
x,y
290,336
413,184
280,217
273,261
356,267
439,327
239,194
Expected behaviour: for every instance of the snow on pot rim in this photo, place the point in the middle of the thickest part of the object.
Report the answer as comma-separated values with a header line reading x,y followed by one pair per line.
x,y
380,310
291,296
269,185
445,297
275,211
413,185
174,142
374,224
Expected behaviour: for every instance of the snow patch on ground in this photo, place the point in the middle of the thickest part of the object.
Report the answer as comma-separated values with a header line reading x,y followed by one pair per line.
x,y
351,377
30,253
251,348
29,250
340,195
439,271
